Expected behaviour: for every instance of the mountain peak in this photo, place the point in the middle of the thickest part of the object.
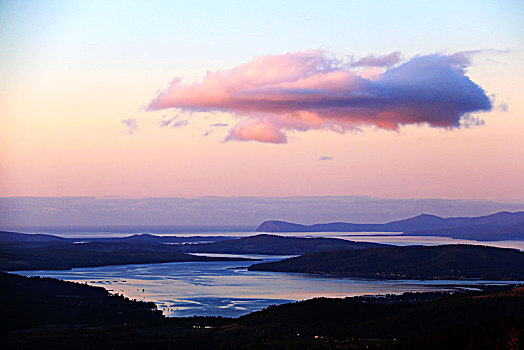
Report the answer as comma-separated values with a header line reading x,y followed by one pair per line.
x,y
427,216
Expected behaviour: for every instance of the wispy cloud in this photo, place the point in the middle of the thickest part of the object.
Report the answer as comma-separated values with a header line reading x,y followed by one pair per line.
x,y
213,127
302,91
131,125
174,122
503,106
325,158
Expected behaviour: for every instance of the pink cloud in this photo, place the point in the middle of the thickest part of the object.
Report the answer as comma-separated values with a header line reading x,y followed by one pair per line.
x,y
258,130
307,90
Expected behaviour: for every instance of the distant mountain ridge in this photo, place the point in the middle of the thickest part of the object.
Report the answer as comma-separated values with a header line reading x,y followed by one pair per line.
x,y
498,226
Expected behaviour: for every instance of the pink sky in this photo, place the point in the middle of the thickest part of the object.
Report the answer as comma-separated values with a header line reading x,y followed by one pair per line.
x,y
178,99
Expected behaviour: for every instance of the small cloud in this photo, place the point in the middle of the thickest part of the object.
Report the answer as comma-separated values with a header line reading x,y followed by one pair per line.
x,y
214,127
377,61
503,106
131,124
180,123
173,121
257,130
469,121
325,158
165,122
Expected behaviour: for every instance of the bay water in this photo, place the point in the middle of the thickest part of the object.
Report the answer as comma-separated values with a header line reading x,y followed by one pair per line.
x,y
227,288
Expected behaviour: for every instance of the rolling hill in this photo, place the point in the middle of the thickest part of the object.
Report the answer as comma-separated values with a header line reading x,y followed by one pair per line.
x,y
277,245
411,262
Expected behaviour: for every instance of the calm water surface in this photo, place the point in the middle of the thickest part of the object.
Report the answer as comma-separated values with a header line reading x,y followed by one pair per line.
x,y
228,289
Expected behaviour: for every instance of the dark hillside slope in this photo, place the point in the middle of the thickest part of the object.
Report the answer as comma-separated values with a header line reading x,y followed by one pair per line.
x,y
30,302
394,317
441,262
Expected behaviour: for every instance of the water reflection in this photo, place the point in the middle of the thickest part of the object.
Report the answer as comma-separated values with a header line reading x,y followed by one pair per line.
x,y
226,288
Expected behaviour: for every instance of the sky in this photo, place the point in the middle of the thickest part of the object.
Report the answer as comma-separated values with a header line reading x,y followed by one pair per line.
x,y
188,99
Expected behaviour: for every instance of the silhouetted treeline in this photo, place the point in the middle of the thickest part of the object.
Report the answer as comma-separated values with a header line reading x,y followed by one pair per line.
x,y
91,319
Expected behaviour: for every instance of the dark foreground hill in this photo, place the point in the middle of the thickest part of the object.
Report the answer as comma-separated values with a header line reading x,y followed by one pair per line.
x,y
33,302
409,321
413,262
498,226
74,316
272,244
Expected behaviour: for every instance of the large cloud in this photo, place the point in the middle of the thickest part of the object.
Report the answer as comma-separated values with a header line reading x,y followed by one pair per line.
x,y
309,90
